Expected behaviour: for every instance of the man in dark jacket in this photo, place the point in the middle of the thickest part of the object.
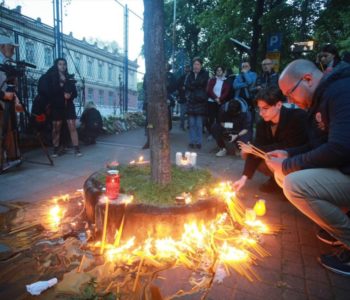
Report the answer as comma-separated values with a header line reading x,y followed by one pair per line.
x,y
316,177
197,102
268,77
279,128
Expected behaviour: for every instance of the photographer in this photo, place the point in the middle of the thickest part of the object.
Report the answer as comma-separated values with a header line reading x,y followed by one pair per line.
x,y
58,86
9,105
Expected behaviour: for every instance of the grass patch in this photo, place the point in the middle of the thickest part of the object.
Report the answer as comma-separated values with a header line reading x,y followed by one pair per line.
x,y
136,180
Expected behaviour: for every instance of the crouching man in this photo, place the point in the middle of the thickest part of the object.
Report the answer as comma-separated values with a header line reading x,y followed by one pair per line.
x,y
316,177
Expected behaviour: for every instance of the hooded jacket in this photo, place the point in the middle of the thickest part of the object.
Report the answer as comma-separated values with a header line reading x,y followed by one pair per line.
x,y
328,127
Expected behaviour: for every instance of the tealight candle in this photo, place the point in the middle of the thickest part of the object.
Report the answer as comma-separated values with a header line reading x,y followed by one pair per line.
x,y
178,158
193,158
260,207
188,156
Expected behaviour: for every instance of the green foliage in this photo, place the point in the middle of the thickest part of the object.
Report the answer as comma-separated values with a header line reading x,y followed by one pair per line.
x,y
204,28
136,180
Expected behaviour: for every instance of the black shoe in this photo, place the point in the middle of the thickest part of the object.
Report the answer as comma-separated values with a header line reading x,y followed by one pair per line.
x,y
337,262
325,237
191,146
55,152
198,146
77,151
269,186
146,145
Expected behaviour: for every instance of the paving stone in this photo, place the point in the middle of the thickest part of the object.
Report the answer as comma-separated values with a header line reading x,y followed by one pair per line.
x,y
311,261
292,268
320,290
339,281
318,274
220,292
294,282
341,294
308,250
268,276
292,256
257,288
293,295
271,262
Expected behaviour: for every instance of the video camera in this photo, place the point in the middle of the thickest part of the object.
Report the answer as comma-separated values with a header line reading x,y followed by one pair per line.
x,y
14,69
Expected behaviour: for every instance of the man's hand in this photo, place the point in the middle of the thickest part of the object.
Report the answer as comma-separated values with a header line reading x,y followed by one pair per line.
x,y
237,185
275,165
278,154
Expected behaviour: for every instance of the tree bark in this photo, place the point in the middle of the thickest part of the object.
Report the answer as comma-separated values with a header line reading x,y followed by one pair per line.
x,y
156,91
257,28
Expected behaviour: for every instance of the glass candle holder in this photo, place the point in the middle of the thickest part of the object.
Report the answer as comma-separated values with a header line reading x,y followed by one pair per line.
x,y
112,184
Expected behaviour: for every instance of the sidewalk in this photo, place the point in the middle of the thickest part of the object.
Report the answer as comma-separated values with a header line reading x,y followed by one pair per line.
x,y
292,272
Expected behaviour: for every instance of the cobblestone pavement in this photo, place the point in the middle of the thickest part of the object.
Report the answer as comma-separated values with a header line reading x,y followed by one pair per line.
x,y
292,270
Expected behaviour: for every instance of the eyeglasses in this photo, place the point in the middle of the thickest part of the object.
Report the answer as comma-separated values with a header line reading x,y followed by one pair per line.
x,y
294,88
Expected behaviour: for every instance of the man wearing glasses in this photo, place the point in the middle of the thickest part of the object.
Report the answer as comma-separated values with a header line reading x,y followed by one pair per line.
x,y
316,177
269,77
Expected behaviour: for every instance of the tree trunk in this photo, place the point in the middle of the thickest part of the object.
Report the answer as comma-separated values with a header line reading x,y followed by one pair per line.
x,y
257,27
156,91
304,16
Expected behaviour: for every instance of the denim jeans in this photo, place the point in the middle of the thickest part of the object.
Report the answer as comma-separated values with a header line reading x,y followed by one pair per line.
x,y
320,194
183,111
196,127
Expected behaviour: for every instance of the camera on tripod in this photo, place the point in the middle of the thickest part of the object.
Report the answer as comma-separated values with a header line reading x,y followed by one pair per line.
x,y
14,69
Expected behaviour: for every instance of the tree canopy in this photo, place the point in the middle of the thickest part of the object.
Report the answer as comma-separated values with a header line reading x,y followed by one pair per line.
x,y
204,27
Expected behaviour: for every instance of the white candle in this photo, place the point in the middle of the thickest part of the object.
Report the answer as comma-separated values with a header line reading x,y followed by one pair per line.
x,y
178,158
193,158
188,156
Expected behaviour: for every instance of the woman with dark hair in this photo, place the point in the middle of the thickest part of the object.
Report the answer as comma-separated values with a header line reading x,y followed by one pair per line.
x,y
197,102
219,92
58,86
279,128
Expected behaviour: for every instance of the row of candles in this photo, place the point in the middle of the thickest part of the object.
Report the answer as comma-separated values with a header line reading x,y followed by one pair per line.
x,y
188,159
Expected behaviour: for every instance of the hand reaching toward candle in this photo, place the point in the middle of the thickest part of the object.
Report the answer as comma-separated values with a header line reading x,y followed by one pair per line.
x,y
238,184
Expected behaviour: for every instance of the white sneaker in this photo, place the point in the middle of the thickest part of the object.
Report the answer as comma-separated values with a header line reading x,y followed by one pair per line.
x,y
222,152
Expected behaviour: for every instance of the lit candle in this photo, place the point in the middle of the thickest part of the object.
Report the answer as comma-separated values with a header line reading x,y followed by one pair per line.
x,y
260,207
178,158
193,158
188,156
112,184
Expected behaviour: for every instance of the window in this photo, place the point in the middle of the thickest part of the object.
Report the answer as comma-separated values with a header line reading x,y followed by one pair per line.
x,y
30,52
111,99
100,70
101,95
89,67
110,73
48,57
77,62
91,94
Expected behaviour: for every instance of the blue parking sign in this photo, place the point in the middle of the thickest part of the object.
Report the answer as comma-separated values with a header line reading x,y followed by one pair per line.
x,y
274,42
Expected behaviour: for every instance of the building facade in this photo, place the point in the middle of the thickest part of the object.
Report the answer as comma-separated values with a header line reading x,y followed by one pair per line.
x,y
99,72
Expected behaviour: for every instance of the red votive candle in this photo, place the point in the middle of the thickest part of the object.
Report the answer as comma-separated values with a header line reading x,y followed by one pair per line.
x,y
112,184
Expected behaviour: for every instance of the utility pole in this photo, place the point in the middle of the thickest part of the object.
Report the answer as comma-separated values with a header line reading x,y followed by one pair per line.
x,y
57,21
126,60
